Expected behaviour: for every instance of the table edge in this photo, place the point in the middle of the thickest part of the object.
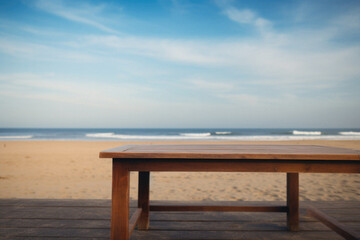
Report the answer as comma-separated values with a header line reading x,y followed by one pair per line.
x,y
121,152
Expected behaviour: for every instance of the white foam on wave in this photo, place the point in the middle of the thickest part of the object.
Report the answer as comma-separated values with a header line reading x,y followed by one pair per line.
x,y
16,137
350,133
195,134
183,136
100,135
287,138
223,133
296,132
206,136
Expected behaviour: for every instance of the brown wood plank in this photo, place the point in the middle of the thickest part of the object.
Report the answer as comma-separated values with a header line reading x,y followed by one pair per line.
x,y
287,152
239,226
239,216
332,223
118,149
49,233
235,146
79,213
338,211
259,150
134,220
45,222
143,199
55,213
55,223
120,201
198,208
195,165
57,202
292,196
241,147
348,205
170,225
162,234
234,235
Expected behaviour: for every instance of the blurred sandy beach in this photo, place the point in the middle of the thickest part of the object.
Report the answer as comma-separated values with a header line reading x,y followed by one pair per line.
x,y
73,170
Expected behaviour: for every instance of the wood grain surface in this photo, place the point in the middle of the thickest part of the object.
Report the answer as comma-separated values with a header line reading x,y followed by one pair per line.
x,y
69,219
232,151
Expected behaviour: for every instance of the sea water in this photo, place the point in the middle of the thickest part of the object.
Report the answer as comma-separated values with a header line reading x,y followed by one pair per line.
x,y
216,134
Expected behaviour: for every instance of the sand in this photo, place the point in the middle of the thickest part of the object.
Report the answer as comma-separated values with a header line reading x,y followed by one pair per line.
x,y
73,170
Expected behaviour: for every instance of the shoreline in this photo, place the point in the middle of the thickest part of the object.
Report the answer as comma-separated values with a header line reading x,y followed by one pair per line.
x,y
72,170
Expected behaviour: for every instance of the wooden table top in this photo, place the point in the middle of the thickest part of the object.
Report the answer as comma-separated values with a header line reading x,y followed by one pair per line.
x,y
231,151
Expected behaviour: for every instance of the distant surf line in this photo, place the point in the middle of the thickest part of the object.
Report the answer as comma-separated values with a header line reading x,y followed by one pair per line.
x,y
209,136
16,137
154,134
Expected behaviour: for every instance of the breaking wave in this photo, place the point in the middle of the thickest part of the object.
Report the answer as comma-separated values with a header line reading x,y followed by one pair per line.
x,y
184,136
16,137
223,133
100,135
208,136
195,134
295,132
350,133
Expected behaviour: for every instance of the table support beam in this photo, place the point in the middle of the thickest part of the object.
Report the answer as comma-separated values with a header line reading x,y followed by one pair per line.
x,y
333,224
229,165
120,201
143,200
292,180
134,220
204,208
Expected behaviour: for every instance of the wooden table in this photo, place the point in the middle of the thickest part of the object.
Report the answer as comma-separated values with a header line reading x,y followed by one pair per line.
x,y
290,159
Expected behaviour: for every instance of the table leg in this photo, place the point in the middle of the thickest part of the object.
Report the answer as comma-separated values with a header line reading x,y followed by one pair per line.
x,y
292,180
120,201
143,200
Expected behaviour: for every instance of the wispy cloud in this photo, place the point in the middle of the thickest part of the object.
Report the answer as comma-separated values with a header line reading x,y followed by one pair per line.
x,y
52,87
240,16
243,99
299,59
211,85
288,58
249,17
42,52
264,70
288,63
83,13
160,48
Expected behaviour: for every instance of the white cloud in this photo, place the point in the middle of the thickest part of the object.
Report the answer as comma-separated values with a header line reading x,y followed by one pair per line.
x,y
85,14
302,57
165,49
240,16
262,23
243,99
50,87
291,59
297,60
34,51
282,63
213,86
177,81
247,16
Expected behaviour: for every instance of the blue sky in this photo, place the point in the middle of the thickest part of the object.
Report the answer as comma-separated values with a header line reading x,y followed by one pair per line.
x,y
179,63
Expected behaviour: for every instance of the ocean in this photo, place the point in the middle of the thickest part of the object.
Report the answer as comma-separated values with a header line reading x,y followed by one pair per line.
x,y
176,134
